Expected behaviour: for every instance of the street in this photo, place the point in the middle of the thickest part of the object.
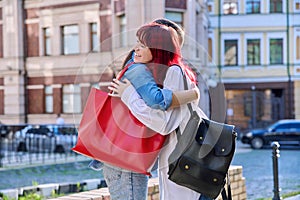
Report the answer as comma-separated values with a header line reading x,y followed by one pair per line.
x,y
258,170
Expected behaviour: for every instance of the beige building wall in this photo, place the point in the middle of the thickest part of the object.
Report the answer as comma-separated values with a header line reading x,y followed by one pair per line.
x,y
56,68
264,77
13,64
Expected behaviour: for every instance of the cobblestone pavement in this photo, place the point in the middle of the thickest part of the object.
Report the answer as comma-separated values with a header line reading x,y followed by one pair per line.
x,y
258,170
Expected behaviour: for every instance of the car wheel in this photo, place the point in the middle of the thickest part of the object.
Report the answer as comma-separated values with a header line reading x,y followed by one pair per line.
x,y
59,149
257,143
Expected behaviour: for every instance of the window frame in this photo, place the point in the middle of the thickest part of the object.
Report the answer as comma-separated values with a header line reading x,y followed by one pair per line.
x,y
47,41
297,6
2,100
256,44
64,36
49,94
280,41
210,7
275,6
171,15
253,8
236,44
68,99
230,9
94,47
210,49
122,30
297,46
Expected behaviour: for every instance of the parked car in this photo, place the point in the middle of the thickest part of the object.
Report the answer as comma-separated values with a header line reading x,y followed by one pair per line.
x,y
46,138
4,130
286,132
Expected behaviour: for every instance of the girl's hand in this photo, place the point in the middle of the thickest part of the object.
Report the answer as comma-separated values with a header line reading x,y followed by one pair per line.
x,y
117,87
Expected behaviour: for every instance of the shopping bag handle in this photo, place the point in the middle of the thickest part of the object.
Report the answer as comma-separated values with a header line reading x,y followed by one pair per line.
x,y
122,72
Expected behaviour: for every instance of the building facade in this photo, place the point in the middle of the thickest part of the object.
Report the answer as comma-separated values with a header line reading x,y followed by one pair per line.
x,y
53,52
256,46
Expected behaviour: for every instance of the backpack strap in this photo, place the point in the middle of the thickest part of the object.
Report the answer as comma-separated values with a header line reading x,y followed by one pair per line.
x,y
223,193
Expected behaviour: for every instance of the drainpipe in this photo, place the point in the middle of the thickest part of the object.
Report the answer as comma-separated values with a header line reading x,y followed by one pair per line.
x,y
219,39
290,115
25,74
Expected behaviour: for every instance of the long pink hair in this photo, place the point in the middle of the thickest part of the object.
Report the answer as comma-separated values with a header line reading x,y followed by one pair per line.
x,y
165,48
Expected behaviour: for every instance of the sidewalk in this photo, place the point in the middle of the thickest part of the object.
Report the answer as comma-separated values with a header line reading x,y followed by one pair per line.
x,y
103,193
297,197
19,160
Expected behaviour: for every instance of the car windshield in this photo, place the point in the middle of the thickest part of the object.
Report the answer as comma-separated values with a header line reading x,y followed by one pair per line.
x,y
286,125
272,127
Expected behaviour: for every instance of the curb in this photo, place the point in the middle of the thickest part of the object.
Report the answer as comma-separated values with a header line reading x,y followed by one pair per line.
x,y
46,190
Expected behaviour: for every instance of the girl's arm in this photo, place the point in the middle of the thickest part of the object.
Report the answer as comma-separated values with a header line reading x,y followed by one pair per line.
x,y
155,97
142,80
163,122
184,96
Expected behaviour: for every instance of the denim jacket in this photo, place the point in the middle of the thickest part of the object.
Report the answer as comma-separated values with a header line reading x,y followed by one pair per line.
x,y
143,82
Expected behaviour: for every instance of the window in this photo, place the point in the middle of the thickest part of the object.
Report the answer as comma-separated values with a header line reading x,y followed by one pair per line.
x,y
209,8
94,37
47,41
275,6
230,7
1,39
253,52
297,5
296,125
249,99
1,101
71,98
283,127
276,51
210,49
176,17
49,99
231,49
123,38
70,39
253,6
298,48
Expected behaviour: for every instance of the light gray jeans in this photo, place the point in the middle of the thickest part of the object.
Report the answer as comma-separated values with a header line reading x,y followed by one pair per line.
x,y
125,185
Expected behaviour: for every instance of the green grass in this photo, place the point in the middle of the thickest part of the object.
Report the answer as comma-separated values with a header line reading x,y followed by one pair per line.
x,y
291,194
284,196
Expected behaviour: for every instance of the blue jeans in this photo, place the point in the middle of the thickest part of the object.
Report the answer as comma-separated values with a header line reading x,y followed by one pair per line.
x,y
125,185
202,197
96,165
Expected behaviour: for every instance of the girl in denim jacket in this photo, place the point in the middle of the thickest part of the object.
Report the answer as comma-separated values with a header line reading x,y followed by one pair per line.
x,y
148,65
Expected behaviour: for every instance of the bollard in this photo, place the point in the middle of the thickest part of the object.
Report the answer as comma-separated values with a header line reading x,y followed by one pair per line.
x,y
275,156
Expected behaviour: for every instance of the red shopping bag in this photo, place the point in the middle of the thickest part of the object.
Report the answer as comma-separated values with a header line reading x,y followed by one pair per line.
x,y
108,132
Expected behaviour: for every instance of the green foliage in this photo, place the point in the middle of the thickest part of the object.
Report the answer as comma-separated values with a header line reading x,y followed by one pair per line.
x,y
78,186
34,183
291,194
32,196
6,198
55,195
